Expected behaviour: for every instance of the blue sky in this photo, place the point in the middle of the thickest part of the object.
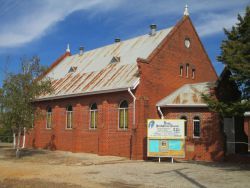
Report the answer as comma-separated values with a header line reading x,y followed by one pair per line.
x,y
44,27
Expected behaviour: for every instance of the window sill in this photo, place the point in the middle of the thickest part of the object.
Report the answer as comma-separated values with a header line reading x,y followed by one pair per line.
x,y
68,129
196,137
92,129
48,128
123,130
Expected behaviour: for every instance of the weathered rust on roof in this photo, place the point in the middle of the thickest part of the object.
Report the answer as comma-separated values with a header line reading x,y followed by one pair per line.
x,y
187,95
94,71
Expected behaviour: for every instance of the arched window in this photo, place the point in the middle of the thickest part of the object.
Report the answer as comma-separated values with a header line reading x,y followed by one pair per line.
x,y
93,116
196,126
123,115
181,70
187,70
193,73
69,117
49,118
185,124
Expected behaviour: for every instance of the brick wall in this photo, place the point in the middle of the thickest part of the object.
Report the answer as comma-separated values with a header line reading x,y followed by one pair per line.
x,y
159,77
210,145
107,139
247,129
160,73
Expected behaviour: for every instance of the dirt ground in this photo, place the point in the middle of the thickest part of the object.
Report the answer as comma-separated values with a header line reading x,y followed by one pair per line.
x,y
41,168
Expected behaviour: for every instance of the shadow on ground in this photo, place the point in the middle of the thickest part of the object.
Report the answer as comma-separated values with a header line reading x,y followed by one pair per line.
x,y
34,183
118,184
223,165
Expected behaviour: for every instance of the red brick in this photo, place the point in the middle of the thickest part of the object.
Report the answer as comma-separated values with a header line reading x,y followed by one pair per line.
x,y
159,76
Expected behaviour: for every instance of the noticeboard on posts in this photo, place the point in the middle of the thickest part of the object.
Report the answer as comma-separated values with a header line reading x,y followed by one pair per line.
x,y
165,138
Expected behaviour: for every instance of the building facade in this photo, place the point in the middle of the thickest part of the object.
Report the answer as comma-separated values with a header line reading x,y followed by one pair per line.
x,y
247,127
102,98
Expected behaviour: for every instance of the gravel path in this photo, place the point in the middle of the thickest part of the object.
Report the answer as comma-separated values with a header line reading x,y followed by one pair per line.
x,y
40,168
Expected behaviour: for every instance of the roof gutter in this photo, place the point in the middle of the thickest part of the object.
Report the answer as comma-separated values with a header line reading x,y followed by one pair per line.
x,y
81,94
90,93
184,105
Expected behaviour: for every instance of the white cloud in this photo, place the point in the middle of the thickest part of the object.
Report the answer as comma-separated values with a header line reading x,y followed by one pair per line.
x,y
32,19
38,17
214,23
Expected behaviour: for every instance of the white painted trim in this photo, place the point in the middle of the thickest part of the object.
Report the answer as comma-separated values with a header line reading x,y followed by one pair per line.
x,y
124,128
134,99
71,114
193,128
90,119
184,105
47,120
159,110
80,94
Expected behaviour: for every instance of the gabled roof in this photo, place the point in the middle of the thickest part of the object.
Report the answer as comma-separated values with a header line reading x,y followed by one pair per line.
x,y
96,71
189,95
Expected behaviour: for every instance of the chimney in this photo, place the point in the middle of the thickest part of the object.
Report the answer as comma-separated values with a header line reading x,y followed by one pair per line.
x,y
81,50
117,40
153,29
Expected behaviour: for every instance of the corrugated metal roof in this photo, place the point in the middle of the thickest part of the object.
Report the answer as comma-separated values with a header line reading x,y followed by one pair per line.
x,y
95,71
187,95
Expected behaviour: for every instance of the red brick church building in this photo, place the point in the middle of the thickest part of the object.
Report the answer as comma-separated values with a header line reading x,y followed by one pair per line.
x,y
102,98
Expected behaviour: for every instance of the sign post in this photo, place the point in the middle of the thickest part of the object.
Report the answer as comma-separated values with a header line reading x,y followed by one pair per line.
x,y
165,138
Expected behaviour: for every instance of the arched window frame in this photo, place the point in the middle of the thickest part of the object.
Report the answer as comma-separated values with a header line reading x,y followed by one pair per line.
x,y
187,70
196,127
123,115
181,70
49,118
193,73
69,117
185,124
93,116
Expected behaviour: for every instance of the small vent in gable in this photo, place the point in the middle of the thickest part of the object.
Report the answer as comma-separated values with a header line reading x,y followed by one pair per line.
x,y
115,59
72,69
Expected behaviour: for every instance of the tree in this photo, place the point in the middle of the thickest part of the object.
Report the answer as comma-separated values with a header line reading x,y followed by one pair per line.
x,y
17,97
235,55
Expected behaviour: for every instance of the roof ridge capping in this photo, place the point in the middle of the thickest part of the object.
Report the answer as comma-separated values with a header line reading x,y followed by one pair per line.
x,y
130,39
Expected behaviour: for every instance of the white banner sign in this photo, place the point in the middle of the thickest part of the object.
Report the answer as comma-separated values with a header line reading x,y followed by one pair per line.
x,y
166,128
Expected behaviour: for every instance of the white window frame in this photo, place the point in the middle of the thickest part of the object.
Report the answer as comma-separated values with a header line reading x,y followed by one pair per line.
x,y
71,115
47,114
197,120
124,127
90,119
187,70
181,71
193,73
185,121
